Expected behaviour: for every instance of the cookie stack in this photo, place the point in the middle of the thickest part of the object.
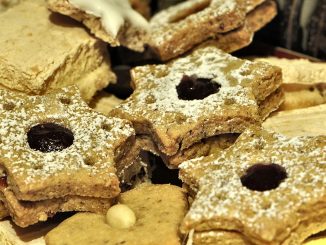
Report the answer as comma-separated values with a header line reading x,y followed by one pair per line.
x,y
230,25
50,163
264,189
199,110
205,94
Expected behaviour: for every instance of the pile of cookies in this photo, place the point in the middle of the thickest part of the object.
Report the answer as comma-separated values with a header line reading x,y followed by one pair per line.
x,y
198,109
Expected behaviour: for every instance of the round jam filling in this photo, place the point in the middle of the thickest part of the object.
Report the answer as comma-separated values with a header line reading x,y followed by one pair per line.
x,y
193,88
49,137
263,177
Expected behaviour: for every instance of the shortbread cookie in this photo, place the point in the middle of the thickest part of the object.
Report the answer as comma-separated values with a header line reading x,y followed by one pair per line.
x,y
309,121
298,71
159,210
243,36
304,82
179,28
40,51
112,21
55,146
268,188
200,95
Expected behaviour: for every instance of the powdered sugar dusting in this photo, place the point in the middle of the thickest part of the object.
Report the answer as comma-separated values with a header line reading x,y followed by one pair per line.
x,y
96,137
156,87
267,216
167,15
204,18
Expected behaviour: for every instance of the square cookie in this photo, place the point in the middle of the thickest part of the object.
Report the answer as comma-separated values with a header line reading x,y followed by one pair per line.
x,y
41,51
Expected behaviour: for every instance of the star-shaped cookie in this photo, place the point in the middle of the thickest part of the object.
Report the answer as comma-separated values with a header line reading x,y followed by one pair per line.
x,y
203,94
265,189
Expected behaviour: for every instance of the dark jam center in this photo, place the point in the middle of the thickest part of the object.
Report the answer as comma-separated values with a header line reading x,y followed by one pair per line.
x,y
263,177
49,137
193,88
3,181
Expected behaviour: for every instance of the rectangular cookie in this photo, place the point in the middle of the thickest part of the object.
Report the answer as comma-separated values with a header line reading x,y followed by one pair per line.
x,y
179,28
41,51
241,37
304,81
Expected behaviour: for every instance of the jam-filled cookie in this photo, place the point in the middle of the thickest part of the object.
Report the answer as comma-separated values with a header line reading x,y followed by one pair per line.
x,y
147,215
55,146
265,189
204,94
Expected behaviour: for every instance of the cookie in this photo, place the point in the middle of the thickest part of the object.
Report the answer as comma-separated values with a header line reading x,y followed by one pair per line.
x,y
205,147
175,30
114,22
26,213
55,146
304,82
309,121
204,94
40,52
159,210
179,28
241,37
266,188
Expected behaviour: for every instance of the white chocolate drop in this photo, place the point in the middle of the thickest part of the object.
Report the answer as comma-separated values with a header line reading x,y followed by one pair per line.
x,y
113,13
120,216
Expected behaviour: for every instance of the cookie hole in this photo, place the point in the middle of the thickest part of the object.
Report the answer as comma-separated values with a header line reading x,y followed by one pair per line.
x,y
195,8
3,181
180,119
89,161
263,177
266,205
48,137
106,127
229,101
65,101
150,99
194,88
37,167
9,106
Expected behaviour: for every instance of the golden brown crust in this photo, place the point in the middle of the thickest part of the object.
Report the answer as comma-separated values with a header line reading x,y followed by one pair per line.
x,y
286,213
130,36
159,210
179,28
38,53
175,124
86,168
